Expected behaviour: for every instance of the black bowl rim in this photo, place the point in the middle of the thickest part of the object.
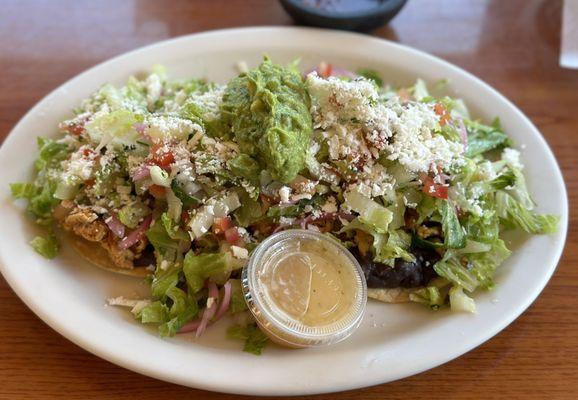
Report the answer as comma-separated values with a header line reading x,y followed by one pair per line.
x,y
385,7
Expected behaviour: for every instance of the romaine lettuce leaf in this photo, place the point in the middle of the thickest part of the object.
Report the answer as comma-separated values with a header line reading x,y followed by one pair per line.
x,y
238,303
459,301
250,210
255,339
454,235
514,212
370,74
131,214
198,268
183,309
246,167
370,212
483,138
453,271
46,246
430,296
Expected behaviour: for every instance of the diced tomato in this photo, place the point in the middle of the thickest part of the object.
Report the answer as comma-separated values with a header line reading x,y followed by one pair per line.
x,y
443,113
185,216
161,157
433,189
265,201
86,152
74,128
232,236
325,70
157,191
221,225
89,183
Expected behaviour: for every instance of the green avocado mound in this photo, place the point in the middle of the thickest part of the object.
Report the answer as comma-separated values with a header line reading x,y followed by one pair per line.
x,y
267,110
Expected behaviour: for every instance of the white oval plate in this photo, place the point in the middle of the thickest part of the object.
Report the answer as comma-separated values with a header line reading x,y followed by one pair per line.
x,y
394,341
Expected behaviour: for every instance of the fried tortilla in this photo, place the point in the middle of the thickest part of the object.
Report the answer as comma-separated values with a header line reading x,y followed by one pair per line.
x,y
401,295
98,256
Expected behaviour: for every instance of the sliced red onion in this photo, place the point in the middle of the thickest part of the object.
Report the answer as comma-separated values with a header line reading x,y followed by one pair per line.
x,y
346,216
141,173
190,326
136,235
463,133
280,228
224,306
209,312
335,71
201,324
115,226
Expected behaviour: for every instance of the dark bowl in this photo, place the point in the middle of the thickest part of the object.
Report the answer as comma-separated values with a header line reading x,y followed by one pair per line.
x,y
352,21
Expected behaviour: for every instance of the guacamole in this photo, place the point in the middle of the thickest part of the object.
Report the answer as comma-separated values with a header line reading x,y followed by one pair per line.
x,y
267,110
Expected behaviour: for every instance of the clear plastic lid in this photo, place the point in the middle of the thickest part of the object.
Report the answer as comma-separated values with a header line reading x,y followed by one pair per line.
x,y
304,288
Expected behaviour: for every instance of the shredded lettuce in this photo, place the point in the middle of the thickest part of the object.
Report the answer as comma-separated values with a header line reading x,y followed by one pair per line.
x,y
250,210
246,167
238,303
454,235
430,296
455,272
51,153
483,138
370,74
515,213
198,268
183,309
23,190
165,279
459,301
131,214
116,127
176,309
46,246
174,231
484,264
159,176
160,238
370,212
255,339
155,312
185,198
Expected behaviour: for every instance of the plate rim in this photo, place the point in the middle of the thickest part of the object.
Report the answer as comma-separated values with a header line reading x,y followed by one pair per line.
x,y
214,385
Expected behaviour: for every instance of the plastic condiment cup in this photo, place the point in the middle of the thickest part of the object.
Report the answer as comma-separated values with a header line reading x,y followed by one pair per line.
x,y
304,289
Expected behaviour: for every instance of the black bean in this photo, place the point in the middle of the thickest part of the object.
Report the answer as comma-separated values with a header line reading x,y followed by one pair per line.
x,y
405,274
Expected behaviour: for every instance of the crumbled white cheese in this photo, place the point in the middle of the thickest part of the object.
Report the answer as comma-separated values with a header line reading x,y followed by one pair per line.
x,y
135,304
335,101
486,171
210,302
80,166
239,252
209,102
414,144
357,126
512,158
284,194
167,126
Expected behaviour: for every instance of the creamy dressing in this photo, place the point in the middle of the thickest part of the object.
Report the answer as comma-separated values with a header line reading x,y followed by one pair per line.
x,y
310,282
